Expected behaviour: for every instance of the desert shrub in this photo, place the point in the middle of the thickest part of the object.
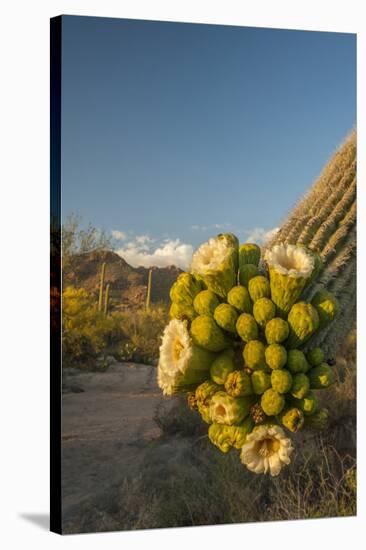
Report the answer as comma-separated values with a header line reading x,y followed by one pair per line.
x,y
142,330
132,335
86,331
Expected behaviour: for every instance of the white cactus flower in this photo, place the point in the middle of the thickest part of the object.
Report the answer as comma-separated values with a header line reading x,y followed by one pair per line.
x,y
290,260
216,262
181,363
266,450
209,256
290,268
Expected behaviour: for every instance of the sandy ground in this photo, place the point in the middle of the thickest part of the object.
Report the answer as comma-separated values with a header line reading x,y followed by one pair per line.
x,y
107,424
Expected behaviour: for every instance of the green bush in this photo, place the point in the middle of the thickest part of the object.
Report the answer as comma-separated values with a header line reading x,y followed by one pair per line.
x,y
132,335
142,329
87,332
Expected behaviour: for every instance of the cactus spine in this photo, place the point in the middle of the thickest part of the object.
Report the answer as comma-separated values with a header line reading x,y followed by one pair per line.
x,y
106,300
148,295
325,221
101,287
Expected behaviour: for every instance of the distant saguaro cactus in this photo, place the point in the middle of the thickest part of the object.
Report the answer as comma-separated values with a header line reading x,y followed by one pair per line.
x,y
148,295
325,221
101,287
106,300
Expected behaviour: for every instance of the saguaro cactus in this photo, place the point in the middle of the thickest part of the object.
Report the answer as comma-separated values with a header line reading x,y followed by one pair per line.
x,y
148,295
101,287
106,300
325,221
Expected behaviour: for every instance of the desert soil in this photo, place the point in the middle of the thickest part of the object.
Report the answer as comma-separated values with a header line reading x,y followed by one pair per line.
x,y
107,429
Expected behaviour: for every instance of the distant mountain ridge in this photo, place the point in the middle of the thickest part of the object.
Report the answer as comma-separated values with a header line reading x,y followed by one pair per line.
x,y
128,285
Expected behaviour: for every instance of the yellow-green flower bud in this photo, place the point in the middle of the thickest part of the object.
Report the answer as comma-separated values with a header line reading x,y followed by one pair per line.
x,y
222,366
259,288
249,254
300,385
321,376
182,311
263,311
261,381
308,404
205,302
254,355
226,316
326,305
281,380
221,436
296,361
239,298
292,419
246,273
303,321
225,409
238,384
207,334
276,331
318,421
276,356
226,437
204,393
185,288
242,431
246,327
272,402
315,356
206,390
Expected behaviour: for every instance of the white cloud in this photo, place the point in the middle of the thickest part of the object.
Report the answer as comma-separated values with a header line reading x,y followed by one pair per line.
x,y
144,239
259,235
211,227
119,235
140,252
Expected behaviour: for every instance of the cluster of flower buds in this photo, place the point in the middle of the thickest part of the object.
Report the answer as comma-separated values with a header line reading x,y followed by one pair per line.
x,y
239,343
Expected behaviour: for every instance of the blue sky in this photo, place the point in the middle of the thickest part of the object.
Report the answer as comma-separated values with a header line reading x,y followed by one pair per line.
x,y
174,132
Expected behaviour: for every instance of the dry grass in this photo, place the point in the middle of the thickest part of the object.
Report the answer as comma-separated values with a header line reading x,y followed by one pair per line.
x,y
186,481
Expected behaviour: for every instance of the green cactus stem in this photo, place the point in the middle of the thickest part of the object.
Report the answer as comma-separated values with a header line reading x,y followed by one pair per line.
x,y
325,221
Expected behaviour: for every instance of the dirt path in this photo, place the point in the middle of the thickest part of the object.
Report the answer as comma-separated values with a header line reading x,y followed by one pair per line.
x,y
107,424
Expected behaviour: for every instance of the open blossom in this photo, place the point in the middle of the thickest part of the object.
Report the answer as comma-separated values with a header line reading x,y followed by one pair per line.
x,y
209,256
266,450
290,268
182,365
216,262
291,260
